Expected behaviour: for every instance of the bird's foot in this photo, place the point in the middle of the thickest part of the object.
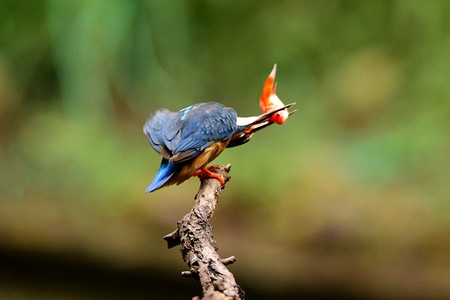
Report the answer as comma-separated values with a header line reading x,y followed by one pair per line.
x,y
205,173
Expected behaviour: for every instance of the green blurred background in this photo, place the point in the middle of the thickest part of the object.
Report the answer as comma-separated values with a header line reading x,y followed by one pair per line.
x,y
350,198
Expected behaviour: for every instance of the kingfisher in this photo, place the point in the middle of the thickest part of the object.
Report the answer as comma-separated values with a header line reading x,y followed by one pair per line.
x,y
191,138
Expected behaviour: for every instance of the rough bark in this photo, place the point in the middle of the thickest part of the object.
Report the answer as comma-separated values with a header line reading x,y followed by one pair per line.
x,y
198,248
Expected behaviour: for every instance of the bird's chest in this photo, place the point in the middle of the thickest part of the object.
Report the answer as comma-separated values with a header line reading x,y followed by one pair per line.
x,y
209,154
203,159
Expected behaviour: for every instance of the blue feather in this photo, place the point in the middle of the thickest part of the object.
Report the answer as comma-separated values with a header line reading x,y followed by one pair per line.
x,y
166,171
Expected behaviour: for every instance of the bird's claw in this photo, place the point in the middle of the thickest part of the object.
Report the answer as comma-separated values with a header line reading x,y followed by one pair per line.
x,y
205,173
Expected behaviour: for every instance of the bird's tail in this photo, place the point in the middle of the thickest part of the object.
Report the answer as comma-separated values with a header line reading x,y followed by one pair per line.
x,y
248,126
165,172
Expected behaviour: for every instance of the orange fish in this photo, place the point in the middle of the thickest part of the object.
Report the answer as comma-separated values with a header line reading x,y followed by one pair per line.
x,y
269,100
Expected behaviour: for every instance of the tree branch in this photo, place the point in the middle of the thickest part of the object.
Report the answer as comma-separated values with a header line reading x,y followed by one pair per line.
x,y
198,248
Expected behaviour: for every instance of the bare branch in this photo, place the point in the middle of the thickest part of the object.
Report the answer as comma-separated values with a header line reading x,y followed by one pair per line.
x,y
198,248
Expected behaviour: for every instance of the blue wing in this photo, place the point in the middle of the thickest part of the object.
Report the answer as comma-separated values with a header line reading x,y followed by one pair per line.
x,y
184,135
154,128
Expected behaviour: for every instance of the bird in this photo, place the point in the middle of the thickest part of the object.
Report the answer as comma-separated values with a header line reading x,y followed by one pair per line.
x,y
194,136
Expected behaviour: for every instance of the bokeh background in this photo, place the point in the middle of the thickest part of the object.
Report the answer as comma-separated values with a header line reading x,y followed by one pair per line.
x,y
348,199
